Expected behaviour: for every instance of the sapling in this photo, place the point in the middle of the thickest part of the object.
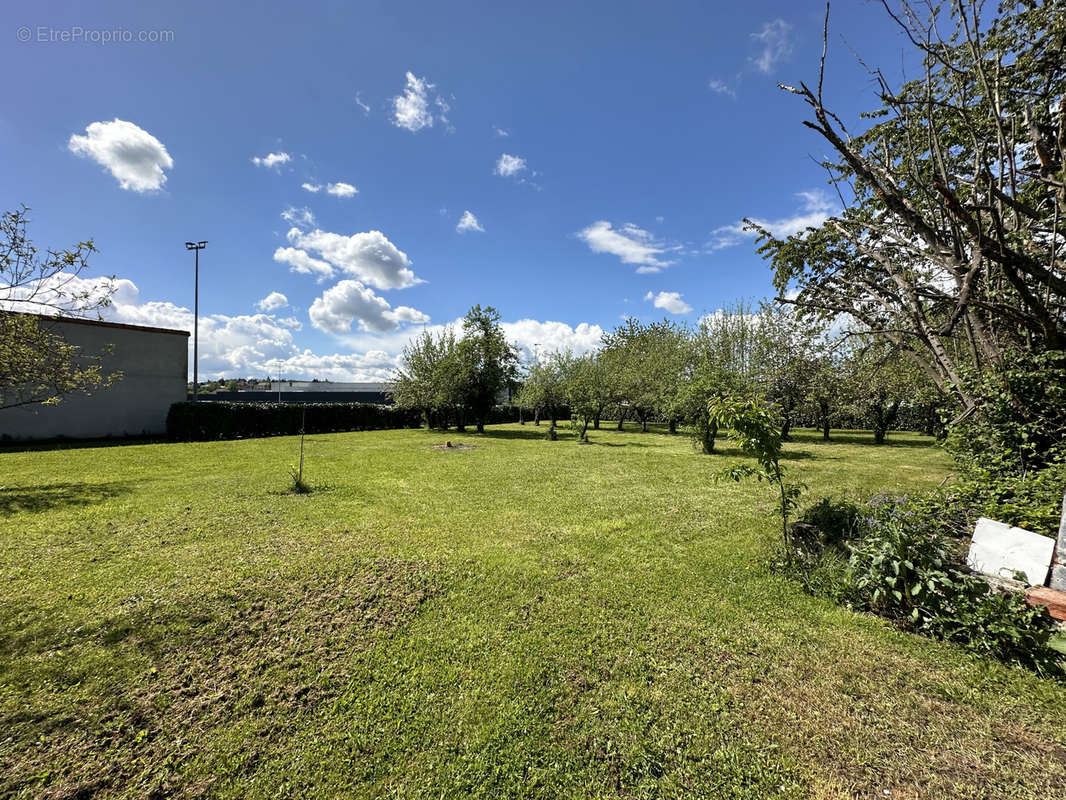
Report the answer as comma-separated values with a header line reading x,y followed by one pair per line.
x,y
755,426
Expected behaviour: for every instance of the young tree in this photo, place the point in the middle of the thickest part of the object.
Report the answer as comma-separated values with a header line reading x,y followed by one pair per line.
x,y
37,366
588,389
787,355
881,379
429,379
542,389
488,363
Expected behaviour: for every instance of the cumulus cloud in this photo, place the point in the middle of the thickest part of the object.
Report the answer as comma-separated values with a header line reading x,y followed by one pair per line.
x,y
272,302
271,160
131,154
508,166
341,189
368,256
670,302
774,42
814,210
469,222
413,110
552,337
301,217
631,244
350,301
313,188
301,262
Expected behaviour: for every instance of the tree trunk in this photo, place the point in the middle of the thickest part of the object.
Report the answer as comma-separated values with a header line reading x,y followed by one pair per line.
x,y
584,429
536,416
596,422
460,421
786,426
673,425
481,424
554,415
643,423
710,430
622,417
823,409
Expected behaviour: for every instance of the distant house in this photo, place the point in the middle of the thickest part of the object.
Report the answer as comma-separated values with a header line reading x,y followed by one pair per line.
x,y
154,363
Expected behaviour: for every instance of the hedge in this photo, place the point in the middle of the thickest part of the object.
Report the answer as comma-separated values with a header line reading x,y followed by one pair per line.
x,y
206,420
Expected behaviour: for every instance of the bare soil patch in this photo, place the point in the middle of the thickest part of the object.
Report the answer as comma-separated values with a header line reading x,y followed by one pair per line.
x,y
261,655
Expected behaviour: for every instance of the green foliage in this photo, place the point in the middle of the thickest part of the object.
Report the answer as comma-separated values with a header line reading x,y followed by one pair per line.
x,y
901,564
755,426
207,420
37,365
488,364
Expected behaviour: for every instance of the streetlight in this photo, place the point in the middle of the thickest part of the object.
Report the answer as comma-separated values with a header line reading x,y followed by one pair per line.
x,y
196,247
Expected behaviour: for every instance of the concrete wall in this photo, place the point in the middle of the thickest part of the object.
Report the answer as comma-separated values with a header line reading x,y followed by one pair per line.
x,y
154,363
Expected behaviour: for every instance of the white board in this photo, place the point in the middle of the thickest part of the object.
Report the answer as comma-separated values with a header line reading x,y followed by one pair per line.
x,y
999,550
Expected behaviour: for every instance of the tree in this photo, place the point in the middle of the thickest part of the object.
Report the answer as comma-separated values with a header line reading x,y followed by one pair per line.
x,y
429,379
587,387
488,363
542,389
949,244
37,366
755,426
787,353
881,380
645,364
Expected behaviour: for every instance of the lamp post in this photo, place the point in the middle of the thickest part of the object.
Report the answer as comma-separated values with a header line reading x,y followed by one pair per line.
x,y
196,247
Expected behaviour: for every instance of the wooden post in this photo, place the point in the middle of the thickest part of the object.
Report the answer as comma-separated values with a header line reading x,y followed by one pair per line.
x,y
1058,563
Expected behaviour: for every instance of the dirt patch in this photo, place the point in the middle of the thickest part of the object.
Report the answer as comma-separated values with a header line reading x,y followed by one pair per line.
x,y
449,447
262,657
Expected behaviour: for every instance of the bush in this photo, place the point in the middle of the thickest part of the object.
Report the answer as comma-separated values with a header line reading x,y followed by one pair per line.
x,y
903,564
207,420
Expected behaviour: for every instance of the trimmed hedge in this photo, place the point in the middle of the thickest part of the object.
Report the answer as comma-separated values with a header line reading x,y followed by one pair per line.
x,y
206,420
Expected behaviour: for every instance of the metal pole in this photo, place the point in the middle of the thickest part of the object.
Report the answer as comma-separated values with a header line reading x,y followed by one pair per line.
x,y
196,330
196,247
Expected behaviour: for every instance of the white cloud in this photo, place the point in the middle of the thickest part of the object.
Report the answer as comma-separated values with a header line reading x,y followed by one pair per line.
x,y
552,337
341,189
272,302
721,87
359,102
301,262
271,160
631,244
350,301
313,188
508,166
775,44
670,302
413,111
500,132
469,223
301,217
369,256
131,154
814,210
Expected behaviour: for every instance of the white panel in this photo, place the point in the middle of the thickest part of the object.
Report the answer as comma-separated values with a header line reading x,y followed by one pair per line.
x,y
999,550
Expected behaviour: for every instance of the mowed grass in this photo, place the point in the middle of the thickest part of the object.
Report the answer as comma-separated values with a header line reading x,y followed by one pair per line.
x,y
523,619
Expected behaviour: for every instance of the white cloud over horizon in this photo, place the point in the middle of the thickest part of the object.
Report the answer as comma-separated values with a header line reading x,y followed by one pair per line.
x,y
133,156
368,256
350,301
633,245
301,217
272,302
669,302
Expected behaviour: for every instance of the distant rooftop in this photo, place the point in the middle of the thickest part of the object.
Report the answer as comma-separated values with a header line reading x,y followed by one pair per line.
x,y
319,386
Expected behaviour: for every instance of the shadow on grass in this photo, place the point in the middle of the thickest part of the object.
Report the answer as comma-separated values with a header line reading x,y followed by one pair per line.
x,y
863,437
11,446
46,497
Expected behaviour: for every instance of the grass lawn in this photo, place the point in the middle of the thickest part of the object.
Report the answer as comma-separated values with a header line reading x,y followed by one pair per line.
x,y
523,619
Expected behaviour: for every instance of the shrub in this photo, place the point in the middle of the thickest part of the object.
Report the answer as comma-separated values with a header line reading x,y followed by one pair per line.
x,y
837,521
207,420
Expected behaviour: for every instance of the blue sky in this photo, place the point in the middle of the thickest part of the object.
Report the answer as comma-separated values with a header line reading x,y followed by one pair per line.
x,y
601,155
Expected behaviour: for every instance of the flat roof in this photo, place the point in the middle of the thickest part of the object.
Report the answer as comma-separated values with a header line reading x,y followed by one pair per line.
x,y
101,323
